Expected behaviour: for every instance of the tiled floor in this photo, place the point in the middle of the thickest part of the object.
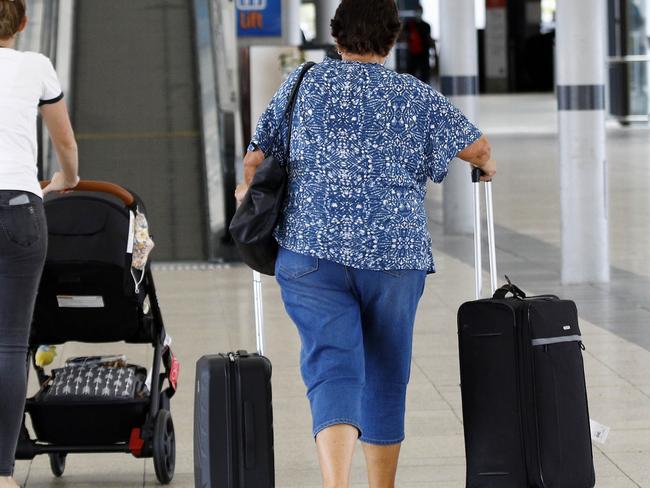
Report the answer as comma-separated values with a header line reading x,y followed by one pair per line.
x,y
211,310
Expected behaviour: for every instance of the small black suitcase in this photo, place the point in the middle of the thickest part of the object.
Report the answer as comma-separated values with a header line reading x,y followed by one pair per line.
x,y
525,412
233,416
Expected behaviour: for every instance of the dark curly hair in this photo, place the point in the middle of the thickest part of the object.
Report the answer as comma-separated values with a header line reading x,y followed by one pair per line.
x,y
366,26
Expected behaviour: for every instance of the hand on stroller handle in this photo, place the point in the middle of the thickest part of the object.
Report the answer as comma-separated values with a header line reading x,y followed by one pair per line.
x,y
102,187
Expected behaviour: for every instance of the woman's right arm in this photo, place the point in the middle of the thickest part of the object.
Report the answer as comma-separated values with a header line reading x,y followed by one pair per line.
x,y
479,154
58,124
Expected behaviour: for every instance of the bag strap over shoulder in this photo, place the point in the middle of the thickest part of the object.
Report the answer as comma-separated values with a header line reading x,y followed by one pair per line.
x,y
291,105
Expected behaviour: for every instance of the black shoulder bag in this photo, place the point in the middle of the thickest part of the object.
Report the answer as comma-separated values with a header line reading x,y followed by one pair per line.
x,y
259,213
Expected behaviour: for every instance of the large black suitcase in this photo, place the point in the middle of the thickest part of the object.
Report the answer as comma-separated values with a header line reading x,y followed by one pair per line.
x,y
525,412
233,416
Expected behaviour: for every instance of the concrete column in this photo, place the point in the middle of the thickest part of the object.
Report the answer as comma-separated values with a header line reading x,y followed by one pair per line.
x,y
325,10
293,34
459,82
581,32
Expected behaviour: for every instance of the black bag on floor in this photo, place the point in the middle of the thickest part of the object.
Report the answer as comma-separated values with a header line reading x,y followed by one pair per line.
x,y
525,410
233,417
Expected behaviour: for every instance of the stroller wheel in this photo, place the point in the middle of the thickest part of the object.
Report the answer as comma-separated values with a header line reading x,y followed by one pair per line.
x,y
57,463
164,447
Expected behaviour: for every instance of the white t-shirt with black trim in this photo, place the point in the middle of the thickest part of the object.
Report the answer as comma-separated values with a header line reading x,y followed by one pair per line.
x,y
27,81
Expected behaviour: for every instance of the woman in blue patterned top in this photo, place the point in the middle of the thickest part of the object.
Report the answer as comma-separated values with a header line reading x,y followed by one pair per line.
x,y
354,244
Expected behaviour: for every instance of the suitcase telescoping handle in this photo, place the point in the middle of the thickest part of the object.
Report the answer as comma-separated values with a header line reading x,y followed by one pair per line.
x,y
259,312
478,258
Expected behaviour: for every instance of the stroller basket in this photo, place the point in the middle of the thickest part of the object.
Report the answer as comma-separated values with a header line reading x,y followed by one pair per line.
x,y
91,423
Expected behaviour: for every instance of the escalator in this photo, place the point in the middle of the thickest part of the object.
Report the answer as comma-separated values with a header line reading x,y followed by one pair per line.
x,y
135,105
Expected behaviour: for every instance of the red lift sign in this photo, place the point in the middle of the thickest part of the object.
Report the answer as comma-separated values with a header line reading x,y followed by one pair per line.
x,y
259,18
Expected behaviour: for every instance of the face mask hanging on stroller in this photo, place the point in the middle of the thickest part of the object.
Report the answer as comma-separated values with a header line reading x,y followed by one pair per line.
x,y
140,246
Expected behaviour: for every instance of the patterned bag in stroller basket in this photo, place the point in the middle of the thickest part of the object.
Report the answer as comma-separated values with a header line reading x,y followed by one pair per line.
x,y
107,378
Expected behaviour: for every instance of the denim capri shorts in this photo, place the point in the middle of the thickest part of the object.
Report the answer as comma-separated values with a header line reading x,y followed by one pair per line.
x,y
356,331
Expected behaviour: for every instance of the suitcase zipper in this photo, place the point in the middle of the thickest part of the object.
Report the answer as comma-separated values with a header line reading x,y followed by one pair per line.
x,y
233,419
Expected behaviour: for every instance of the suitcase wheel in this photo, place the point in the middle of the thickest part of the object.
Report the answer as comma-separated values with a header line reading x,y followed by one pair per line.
x,y
164,447
57,463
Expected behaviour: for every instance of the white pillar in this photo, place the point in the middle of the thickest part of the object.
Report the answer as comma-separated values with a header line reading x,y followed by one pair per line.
x,y
325,10
293,33
581,32
459,81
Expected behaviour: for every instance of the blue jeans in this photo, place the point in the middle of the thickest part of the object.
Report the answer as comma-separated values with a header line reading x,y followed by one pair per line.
x,y
356,329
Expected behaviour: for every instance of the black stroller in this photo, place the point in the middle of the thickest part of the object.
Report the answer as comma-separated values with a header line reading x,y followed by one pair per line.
x,y
90,293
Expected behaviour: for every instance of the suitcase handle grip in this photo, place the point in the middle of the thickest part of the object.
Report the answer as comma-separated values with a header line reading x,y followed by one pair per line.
x,y
477,174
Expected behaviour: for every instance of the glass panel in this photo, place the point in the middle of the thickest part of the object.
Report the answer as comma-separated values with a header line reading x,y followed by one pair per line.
x,y
637,39
308,21
638,88
548,15
637,45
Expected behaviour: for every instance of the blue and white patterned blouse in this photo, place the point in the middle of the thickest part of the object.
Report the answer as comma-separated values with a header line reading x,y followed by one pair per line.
x,y
364,142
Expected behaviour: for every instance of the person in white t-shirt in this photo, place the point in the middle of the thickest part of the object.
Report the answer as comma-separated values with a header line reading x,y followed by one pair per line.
x,y
27,82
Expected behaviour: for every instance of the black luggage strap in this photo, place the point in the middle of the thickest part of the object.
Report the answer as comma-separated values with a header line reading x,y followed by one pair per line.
x,y
509,288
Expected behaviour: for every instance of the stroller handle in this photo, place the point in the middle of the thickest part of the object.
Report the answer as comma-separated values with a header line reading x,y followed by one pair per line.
x,y
102,187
